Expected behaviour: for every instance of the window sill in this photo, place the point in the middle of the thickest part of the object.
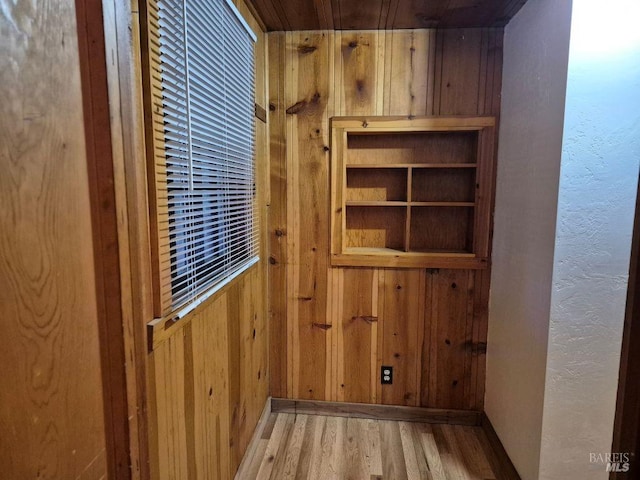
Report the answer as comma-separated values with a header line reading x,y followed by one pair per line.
x,y
160,329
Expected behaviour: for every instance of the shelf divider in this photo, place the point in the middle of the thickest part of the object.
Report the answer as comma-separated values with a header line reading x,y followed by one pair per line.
x,y
407,227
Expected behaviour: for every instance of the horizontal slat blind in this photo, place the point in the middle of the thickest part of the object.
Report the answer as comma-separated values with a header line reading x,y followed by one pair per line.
x,y
206,165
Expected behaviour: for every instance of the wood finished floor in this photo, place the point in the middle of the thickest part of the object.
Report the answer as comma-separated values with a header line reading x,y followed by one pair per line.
x,y
316,447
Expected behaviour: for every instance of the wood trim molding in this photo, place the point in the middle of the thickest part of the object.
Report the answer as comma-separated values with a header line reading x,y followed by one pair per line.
x,y
112,101
255,440
379,412
504,468
161,329
97,131
260,113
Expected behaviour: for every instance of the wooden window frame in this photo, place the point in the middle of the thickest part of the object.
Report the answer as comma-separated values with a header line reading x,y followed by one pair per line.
x,y
163,311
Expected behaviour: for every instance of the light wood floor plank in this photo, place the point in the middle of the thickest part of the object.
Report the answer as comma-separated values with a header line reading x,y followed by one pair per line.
x,y
452,456
293,449
431,452
283,421
472,453
254,466
393,464
281,456
373,447
318,447
408,448
356,464
309,465
421,459
337,427
306,449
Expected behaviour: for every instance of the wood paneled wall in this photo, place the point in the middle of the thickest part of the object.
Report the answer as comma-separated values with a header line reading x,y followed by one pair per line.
x,y
208,373
333,328
209,383
51,405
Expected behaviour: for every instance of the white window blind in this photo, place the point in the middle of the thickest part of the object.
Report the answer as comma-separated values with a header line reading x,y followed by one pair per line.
x,y
208,85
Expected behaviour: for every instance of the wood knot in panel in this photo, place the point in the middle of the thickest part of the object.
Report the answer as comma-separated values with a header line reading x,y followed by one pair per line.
x,y
304,49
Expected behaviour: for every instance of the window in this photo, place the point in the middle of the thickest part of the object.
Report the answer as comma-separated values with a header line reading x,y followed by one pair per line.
x,y
201,69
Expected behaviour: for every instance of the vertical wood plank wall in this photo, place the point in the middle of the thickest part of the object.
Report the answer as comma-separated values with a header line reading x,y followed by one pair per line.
x,y
209,384
208,381
51,405
333,328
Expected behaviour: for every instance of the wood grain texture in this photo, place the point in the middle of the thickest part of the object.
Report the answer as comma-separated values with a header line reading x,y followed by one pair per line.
x,y
278,343
210,385
357,328
360,74
308,102
322,447
257,444
449,318
402,300
383,14
51,407
155,152
416,187
208,374
122,42
379,412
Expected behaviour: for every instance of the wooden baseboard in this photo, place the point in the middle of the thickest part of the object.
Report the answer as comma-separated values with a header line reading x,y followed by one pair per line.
x,y
379,412
253,444
503,467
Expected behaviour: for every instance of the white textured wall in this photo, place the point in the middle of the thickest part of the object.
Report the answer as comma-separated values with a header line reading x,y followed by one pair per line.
x,y
535,66
599,174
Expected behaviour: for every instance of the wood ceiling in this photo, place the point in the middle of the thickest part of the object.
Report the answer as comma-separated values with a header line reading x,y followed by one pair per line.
x,y
383,14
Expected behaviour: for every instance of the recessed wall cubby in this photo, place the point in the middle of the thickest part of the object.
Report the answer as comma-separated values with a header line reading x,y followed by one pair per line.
x,y
411,192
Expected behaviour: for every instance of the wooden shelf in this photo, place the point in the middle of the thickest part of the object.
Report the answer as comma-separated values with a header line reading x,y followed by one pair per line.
x,y
390,258
442,204
411,165
412,196
392,251
375,203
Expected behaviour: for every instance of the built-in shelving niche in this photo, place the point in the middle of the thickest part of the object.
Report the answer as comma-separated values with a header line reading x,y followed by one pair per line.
x,y
411,192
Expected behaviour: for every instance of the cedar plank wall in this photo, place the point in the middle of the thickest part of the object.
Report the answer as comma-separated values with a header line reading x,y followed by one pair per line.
x,y
208,378
430,325
51,405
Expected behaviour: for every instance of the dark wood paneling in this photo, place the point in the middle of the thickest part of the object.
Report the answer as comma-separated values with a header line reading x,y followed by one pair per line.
x,y
384,14
358,15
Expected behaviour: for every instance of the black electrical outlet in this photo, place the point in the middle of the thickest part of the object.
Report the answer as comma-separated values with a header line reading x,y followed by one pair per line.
x,y
386,375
